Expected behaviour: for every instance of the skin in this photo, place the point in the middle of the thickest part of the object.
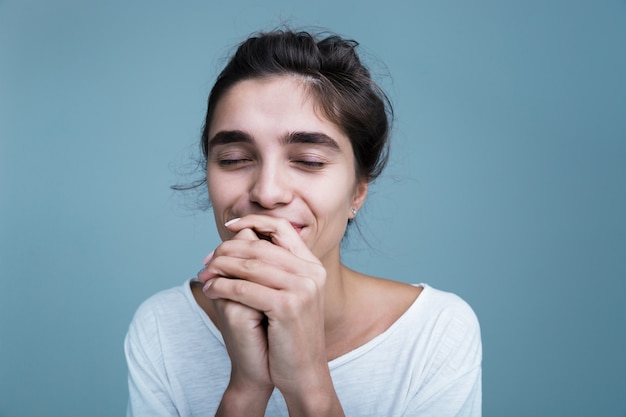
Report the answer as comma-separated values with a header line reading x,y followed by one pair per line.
x,y
282,183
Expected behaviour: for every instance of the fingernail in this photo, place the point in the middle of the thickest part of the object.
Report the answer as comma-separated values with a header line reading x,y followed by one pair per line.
x,y
231,221
207,285
208,258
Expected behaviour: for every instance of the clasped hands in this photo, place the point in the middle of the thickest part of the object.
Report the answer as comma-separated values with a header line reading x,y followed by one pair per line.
x,y
267,294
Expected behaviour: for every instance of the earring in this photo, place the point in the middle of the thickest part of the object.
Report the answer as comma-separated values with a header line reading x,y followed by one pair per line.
x,y
353,211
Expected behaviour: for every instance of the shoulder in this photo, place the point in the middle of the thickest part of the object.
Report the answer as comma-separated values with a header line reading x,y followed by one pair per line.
x,y
160,310
443,305
450,319
425,306
450,327
441,329
163,301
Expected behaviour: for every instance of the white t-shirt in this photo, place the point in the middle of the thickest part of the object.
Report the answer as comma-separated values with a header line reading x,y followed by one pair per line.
x,y
428,363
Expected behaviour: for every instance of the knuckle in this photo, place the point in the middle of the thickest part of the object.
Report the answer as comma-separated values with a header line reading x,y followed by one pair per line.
x,y
283,222
290,304
317,276
229,308
233,314
258,244
240,288
293,303
247,234
321,275
309,287
250,265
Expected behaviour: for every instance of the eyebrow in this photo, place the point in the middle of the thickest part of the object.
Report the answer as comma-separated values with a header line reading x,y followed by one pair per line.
x,y
226,137
314,138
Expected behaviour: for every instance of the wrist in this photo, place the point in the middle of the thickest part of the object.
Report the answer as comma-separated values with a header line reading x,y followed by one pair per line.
x,y
317,399
318,404
244,401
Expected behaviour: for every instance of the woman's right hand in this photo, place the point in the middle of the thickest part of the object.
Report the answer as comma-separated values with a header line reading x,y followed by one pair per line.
x,y
245,335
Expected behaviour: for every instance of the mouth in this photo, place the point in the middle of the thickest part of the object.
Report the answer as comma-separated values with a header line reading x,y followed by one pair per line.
x,y
297,227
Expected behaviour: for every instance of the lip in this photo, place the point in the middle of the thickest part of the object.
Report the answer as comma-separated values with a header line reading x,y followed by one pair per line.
x,y
298,227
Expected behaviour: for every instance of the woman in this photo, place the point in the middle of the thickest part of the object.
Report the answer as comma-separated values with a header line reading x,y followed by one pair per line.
x,y
275,324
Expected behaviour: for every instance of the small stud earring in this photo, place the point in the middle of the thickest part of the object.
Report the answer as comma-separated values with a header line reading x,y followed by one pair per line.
x,y
353,211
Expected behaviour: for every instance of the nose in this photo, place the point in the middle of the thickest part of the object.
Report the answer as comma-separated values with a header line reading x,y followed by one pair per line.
x,y
270,187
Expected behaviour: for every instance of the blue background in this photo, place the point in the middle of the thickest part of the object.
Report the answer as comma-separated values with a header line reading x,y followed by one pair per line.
x,y
507,183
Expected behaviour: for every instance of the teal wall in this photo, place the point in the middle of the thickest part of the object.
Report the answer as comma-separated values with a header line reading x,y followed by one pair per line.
x,y
507,183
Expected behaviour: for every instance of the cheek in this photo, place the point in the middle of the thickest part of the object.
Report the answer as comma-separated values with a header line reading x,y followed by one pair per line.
x,y
219,197
216,186
227,196
334,198
214,193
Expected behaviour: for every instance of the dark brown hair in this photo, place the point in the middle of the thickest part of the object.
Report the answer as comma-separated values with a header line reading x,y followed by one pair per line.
x,y
332,73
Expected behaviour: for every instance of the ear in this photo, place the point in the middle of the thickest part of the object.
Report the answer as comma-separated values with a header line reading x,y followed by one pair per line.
x,y
360,193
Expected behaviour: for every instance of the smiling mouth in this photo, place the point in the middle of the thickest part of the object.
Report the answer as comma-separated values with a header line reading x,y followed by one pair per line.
x,y
298,228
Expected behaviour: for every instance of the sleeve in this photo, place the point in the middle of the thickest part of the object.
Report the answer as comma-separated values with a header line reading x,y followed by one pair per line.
x,y
149,393
453,387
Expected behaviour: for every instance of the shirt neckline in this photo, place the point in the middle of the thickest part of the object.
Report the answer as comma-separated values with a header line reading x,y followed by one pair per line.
x,y
346,357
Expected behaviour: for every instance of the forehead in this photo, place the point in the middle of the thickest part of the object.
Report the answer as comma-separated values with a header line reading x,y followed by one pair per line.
x,y
271,107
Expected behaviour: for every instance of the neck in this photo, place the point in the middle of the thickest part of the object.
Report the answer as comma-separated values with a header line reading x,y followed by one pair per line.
x,y
339,280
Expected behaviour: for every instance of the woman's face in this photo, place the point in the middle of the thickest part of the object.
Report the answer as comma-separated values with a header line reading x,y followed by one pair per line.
x,y
271,153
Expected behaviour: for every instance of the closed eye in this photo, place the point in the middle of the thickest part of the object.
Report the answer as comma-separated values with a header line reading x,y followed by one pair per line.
x,y
232,157
232,162
311,164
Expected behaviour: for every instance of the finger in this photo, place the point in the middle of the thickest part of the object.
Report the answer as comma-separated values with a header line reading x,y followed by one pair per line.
x,y
243,235
260,250
261,262
280,272
278,230
237,315
272,302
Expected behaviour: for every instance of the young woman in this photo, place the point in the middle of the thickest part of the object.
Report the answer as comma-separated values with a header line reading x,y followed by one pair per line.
x,y
275,324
